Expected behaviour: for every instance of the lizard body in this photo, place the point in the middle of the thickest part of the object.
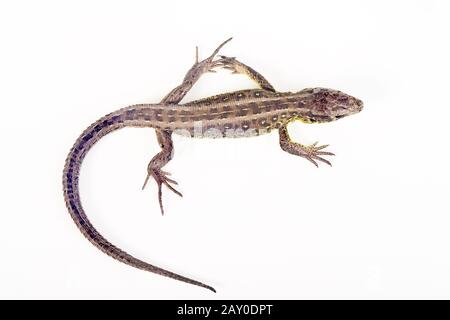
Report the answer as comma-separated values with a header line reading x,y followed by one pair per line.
x,y
237,114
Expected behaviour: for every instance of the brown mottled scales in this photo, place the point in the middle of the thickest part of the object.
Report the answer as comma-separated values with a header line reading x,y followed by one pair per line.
x,y
242,113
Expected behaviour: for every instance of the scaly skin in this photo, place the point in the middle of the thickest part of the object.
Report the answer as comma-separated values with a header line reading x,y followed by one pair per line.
x,y
237,114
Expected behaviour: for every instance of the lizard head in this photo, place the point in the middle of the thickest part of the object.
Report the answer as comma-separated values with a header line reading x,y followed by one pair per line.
x,y
325,105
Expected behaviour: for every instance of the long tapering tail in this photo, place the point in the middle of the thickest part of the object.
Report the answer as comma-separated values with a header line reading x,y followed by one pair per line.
x,y
72,167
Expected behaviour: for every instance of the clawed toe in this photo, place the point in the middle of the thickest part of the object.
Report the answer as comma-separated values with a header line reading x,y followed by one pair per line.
x,y
172,188
321,159
161,178
313,153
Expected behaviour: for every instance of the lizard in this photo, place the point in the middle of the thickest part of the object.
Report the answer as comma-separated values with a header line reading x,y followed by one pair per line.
x,y
242,113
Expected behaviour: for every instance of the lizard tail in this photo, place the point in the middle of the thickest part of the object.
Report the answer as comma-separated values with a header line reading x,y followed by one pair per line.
x,y
72,166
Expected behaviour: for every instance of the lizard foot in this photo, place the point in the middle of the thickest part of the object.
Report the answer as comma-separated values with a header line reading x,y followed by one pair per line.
x,y
161,178
237,67
230,63
313,152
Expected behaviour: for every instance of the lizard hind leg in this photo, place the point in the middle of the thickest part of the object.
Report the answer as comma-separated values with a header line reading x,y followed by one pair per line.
x,y
154,168
164,137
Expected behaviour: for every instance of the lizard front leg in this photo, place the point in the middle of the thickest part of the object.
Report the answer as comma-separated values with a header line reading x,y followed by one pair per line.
x,y
237,67
311,152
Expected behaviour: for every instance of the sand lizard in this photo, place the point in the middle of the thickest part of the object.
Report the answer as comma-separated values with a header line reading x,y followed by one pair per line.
x,y
237,114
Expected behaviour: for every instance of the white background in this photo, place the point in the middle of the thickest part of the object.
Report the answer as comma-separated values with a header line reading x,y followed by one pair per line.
x,y
255,222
